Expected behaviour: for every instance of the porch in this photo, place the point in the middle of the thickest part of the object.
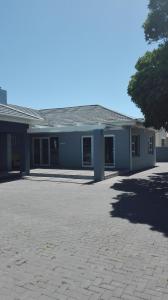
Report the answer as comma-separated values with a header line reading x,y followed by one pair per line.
x,y
89,153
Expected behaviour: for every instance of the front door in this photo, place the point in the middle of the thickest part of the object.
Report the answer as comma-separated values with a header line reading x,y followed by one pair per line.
x,y
41,157
109,151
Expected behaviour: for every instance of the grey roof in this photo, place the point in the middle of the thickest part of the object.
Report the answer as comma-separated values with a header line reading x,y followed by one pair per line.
x,y
15,111
88,114
27,111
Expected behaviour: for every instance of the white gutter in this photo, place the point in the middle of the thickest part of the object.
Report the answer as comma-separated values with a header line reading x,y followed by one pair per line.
x,y
29,121
64,128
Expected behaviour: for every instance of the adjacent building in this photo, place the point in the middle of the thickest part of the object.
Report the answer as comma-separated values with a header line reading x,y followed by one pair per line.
x,y
161,145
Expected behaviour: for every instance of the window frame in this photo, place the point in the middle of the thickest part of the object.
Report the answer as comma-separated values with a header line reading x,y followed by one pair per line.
x,y
134,152
163,143
112,165
151,145
83,164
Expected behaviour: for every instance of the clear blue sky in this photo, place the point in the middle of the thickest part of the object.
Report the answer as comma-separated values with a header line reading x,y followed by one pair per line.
x,y
56,53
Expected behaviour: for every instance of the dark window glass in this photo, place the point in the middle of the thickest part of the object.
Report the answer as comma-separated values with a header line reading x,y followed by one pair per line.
x,y
87,151
37,151
135,145
15,151
45,152
109,151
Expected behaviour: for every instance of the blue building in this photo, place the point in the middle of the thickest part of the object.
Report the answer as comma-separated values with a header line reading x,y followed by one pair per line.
x,y
82,137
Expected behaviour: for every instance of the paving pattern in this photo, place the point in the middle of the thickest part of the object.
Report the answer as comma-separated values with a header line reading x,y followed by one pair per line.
x,y
85,241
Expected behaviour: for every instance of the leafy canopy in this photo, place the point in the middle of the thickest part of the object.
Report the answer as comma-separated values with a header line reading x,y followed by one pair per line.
x,y
156,24
148,88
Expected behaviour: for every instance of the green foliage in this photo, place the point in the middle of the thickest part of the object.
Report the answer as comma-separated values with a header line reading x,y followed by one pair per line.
x,y
148,88
156,25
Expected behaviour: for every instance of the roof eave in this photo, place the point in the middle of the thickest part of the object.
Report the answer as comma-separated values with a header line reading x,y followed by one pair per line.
x,y
17,119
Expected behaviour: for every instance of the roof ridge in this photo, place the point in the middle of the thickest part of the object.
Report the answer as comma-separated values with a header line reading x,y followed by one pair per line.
x,y
87,105
69,107
115,111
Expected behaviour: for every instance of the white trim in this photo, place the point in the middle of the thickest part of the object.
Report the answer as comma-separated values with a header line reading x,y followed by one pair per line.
x,y
40,154
70,128
28,121
92,151
114,152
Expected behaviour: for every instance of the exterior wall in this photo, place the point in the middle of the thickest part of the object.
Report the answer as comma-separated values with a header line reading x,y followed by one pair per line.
x,y
122,147
145,160
70,148
162,154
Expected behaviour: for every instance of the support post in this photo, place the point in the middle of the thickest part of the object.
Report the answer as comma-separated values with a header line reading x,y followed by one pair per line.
x,y
9,152
98,154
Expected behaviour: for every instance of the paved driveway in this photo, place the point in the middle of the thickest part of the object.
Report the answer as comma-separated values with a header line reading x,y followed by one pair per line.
x,y
76,241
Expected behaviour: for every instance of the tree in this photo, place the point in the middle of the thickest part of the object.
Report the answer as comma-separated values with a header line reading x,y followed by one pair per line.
x,y
156,24
148,87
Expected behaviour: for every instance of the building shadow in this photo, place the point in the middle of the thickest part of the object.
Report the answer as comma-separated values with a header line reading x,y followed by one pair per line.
x,y
60,178
143,201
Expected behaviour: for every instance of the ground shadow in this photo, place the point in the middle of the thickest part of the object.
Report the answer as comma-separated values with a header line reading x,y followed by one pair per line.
x,y
143,201
60,178
9,176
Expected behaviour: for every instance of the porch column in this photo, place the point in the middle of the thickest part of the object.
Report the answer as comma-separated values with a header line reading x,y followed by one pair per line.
x,y
9,152
98,154
25,154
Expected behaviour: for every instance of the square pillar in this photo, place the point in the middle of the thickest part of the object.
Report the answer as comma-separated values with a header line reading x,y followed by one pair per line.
x,y
98,154
25,154
9,152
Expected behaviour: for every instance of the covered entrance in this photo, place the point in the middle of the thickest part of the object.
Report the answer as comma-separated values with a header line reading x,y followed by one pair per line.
x,y
14,149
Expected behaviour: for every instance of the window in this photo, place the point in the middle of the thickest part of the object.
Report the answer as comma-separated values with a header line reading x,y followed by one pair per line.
x,y
151,145
109,151
136,145
162,142
87,151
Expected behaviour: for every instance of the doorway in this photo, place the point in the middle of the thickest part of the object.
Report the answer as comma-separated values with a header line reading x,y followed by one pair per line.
x,y
41,153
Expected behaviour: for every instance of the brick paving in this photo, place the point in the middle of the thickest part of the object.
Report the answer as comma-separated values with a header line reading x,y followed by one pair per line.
x,y
70,241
